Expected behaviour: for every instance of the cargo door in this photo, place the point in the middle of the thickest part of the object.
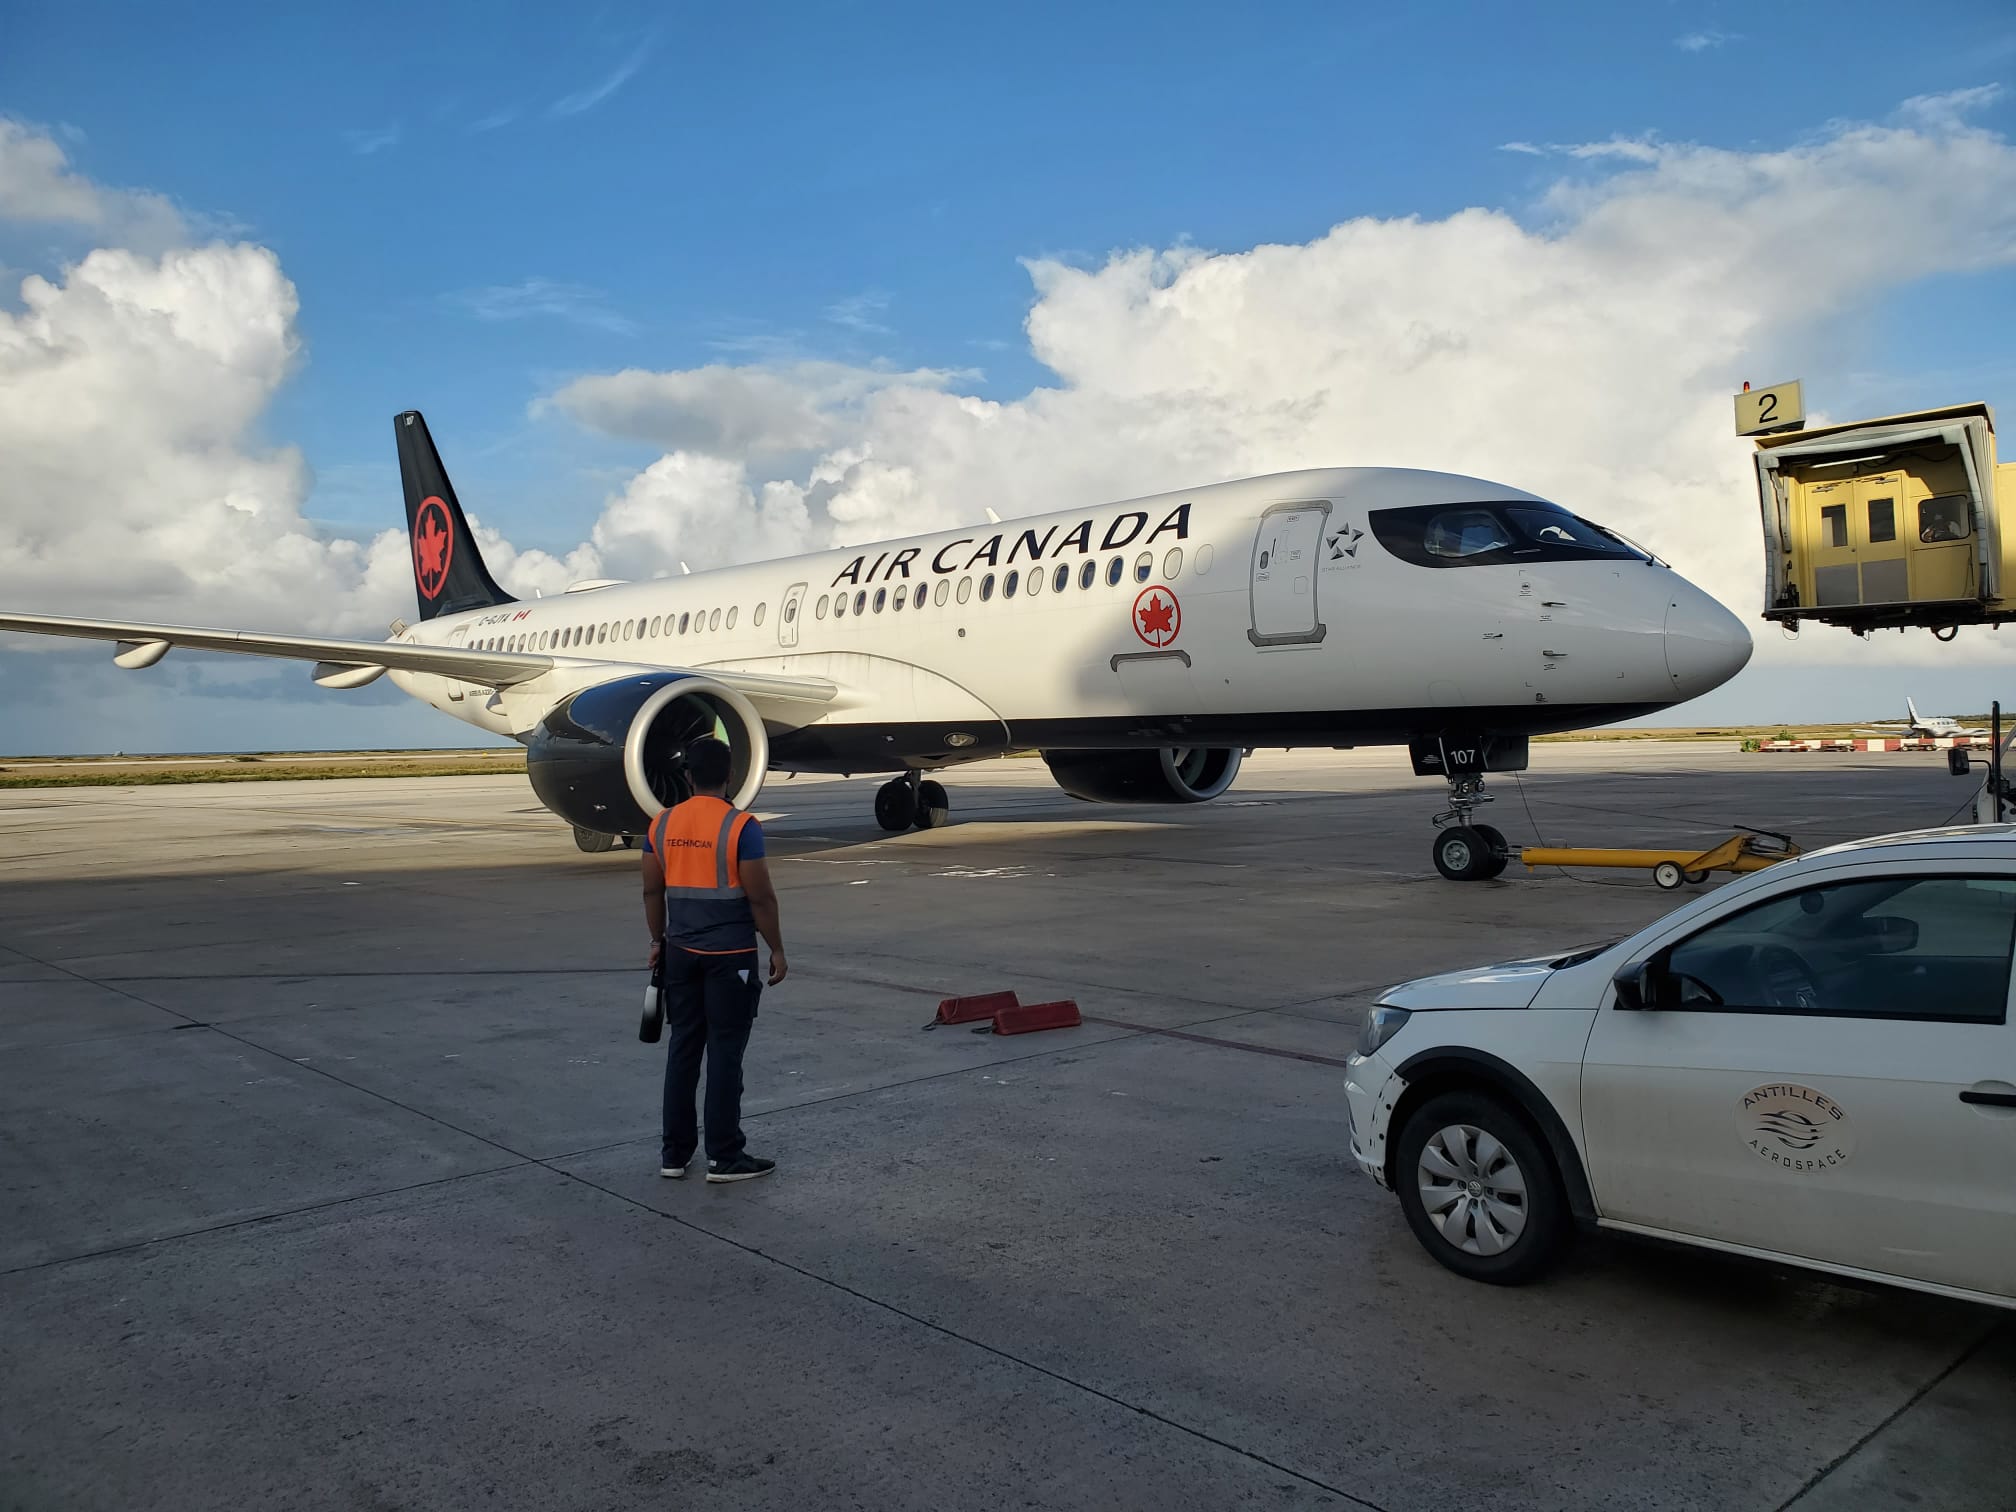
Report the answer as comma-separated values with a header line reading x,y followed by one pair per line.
x,y
1285,612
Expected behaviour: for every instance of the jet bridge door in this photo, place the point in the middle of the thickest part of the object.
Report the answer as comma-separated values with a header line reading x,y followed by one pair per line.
x,y
1856,532
1285,612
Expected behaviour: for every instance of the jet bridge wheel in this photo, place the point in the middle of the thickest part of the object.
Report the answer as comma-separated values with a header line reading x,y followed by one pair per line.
x,y
1470,853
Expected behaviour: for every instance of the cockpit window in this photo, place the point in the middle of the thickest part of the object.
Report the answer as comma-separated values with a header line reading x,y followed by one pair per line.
x,y
1487,534
1464,533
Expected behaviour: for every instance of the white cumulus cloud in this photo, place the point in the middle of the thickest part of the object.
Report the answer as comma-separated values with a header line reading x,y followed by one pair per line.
x,y
1586,351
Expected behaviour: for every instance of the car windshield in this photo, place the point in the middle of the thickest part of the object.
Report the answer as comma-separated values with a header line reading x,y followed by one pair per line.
x,y
1488,533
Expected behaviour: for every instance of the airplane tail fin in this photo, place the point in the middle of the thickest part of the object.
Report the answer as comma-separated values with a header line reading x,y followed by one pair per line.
x,y
448,570
1912,709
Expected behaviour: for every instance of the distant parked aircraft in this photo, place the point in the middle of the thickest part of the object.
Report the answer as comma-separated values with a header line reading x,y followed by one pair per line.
x,y
1927,725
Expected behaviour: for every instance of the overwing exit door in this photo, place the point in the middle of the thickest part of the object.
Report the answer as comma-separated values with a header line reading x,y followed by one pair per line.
x,y
787,621
1285,611
455,689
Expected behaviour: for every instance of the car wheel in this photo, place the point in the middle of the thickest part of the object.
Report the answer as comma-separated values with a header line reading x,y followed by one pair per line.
x,y
1479,1190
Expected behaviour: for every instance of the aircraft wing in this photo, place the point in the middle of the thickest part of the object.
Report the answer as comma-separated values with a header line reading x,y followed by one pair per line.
x,y
349,662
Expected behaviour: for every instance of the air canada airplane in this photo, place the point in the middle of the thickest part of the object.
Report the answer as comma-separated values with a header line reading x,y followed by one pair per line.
x,y
1141,647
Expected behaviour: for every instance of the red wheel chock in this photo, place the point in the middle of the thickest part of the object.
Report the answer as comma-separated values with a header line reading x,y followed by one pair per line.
x,y
1027,1018
964,1010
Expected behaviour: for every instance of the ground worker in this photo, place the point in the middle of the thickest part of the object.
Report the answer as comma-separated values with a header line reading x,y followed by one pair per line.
x,y
707,894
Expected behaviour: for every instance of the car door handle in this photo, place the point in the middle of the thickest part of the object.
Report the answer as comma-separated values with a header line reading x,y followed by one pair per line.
x,y
1991,1099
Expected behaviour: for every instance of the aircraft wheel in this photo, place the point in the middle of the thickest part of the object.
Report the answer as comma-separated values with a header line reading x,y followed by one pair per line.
x,y
896,805
1461,854
594,842
1695,878
934,805
1497,851
1668,875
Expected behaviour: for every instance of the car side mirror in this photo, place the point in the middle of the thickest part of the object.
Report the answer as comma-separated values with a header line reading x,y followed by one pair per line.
x,y
1637,987
1958,761
1889,934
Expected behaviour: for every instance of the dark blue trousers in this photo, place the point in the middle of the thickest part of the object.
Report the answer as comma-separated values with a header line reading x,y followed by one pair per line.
x,y
710,1006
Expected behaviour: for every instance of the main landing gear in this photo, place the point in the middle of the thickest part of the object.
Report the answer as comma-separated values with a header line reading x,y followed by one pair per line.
x,y
912,802
1466,851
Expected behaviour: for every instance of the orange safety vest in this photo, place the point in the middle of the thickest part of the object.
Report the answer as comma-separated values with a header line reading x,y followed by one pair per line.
x,y
706,910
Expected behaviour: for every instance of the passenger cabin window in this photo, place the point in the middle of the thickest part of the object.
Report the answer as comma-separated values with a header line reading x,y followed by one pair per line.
x,y
1062,578
881,599
714,620
861,601
682,622
964,590
1945,517
819,610
839,605
1034,582
1882,520
1891,948
1172,564
1834,525
791,612
654,625
1114,569
1488,534
1144,566
939,593
902,597
918,601
733,608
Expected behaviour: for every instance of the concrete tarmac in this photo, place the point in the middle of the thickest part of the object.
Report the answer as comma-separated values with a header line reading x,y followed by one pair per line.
x,y
328,1170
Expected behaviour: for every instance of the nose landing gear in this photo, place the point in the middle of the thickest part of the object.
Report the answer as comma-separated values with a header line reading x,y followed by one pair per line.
x,y
912,801
1466,851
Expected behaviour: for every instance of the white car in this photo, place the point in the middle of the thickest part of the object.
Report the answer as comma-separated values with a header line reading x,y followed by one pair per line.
x,y
1814,1064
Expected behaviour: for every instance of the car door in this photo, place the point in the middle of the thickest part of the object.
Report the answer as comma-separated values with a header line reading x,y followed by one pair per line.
x,y
1828,1072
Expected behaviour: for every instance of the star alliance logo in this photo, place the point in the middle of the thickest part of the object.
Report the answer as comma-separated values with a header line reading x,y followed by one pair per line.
x,y
1344,543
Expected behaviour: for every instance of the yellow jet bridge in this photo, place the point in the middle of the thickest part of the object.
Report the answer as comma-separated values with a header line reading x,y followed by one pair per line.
x,y
1885,523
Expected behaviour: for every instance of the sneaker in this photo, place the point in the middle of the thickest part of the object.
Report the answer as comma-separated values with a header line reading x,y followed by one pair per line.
x,y
672,1171
741,1168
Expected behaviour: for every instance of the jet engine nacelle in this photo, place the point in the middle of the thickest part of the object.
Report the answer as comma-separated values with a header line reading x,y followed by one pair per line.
x,y
607,758
1170,774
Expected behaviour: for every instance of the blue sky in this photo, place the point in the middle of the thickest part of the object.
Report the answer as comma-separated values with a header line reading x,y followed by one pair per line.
x,y
478,204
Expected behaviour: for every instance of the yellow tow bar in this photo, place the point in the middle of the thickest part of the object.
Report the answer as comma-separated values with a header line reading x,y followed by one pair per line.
x,y
1750,851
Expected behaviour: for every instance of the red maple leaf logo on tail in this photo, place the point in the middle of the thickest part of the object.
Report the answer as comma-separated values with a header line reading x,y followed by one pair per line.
x,y
433,547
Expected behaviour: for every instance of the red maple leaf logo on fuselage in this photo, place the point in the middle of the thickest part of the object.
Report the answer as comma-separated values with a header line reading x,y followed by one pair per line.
x,y
1158,618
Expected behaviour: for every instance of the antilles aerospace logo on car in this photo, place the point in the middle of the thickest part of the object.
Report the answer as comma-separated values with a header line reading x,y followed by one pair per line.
x,y
1795,1128
433,547
1158,618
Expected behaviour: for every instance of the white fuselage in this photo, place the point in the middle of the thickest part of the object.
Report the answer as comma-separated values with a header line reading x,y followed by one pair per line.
x,y
1287,622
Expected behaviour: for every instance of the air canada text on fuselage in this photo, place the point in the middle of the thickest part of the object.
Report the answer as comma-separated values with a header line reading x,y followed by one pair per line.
x,y
1030,545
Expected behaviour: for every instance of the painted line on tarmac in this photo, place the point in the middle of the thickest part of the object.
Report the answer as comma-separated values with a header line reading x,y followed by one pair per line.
x,y
1223,1044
